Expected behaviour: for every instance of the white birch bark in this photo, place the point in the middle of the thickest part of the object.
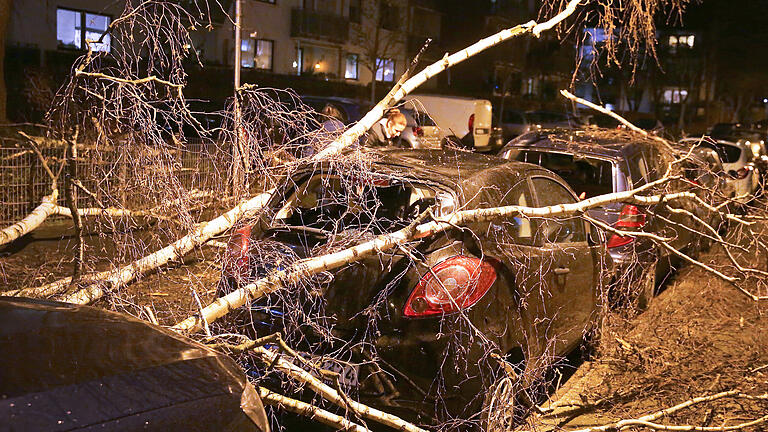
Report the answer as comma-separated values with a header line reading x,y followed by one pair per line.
x,y
33,220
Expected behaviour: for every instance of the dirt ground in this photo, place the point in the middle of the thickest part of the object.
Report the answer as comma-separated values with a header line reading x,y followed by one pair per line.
x,y
698,337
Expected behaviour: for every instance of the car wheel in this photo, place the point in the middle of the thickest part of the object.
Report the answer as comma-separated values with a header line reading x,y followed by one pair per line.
x,y
500,404
504,399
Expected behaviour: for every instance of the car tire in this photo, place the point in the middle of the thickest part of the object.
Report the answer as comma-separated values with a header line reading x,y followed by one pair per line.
x,y
500,404
503,400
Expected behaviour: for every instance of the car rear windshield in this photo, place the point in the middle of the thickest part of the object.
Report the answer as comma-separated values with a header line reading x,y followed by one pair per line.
x,y
546,117
419,117
729,153
332,203
587,175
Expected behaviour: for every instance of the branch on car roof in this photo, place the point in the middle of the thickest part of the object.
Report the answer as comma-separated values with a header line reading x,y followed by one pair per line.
x,y
308,267
625,122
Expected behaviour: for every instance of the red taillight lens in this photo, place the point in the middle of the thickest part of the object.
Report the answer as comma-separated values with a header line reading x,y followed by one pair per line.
x,y
471,123
454,284
238,259
630,218
617,240
419,132
743,172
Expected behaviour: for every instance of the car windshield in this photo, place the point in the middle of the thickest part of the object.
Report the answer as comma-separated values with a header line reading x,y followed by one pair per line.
x,y
333,203
729,153
587,175
546,117
417,118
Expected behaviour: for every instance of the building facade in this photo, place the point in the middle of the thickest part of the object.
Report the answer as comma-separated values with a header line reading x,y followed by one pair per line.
x,y
333,47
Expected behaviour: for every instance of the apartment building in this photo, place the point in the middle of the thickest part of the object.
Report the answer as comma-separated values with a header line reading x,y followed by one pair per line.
x,y
353,41
348,42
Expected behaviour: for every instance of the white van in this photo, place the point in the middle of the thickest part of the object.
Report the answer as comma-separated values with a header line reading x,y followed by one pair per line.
x,y
467,120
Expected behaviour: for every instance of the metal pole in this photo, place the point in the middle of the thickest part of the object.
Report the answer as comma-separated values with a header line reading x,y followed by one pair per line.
x,y
238,42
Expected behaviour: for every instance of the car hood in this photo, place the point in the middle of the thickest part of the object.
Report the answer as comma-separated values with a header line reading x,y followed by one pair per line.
x,y
67,366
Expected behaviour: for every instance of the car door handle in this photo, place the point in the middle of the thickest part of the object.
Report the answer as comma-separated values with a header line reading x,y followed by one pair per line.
x,y
562,270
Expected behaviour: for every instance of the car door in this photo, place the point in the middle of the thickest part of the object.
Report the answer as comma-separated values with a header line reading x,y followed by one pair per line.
x,y
570,272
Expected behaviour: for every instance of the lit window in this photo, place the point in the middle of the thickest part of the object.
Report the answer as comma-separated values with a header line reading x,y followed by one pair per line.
x,y
256,53
682,41
298,64
385,70
74,28
673,41
675,96
350,70
263,57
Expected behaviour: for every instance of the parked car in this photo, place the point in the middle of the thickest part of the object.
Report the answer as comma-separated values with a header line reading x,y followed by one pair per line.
x,y
752,135
596,162
525,289
70,367
352,110
737,159
464,122
515,123
420,132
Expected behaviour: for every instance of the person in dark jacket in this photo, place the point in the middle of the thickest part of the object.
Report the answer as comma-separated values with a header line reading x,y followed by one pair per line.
x,y
386,132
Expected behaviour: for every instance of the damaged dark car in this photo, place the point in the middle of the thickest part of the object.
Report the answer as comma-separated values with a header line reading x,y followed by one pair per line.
x,y
426,330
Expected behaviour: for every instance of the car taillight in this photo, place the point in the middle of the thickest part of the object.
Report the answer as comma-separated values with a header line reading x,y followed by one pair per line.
x,y
238,259
454,284
742,173
471,122
419,132
630,218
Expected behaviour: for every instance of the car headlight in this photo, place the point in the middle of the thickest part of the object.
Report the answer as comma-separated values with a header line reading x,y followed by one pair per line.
x,y
446,203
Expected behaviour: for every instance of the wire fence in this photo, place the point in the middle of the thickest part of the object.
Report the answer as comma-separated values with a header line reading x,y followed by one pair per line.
x,y
108,174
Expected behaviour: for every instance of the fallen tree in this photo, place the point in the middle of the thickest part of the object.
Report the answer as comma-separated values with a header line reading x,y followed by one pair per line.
x,y
115,279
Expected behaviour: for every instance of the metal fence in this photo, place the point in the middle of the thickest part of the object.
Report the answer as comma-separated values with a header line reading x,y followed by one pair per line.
x,y
111,175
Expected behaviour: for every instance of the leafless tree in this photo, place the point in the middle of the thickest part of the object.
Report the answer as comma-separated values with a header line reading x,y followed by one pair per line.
x,y
134,106
381,36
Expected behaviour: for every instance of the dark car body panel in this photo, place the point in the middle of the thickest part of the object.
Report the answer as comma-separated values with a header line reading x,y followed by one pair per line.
x,y
68,367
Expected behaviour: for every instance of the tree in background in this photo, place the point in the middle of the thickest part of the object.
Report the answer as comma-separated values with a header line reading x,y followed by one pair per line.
x,y
378,28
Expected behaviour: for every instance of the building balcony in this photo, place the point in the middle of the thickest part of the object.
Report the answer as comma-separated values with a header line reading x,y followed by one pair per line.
x,y
318,25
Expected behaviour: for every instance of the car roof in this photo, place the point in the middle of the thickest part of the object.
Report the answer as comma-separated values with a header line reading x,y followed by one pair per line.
x,y
597,142
451,169
446,166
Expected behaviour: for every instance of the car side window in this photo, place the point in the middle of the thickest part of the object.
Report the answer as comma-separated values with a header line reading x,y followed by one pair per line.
x,y
519,227
638,170
556,230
